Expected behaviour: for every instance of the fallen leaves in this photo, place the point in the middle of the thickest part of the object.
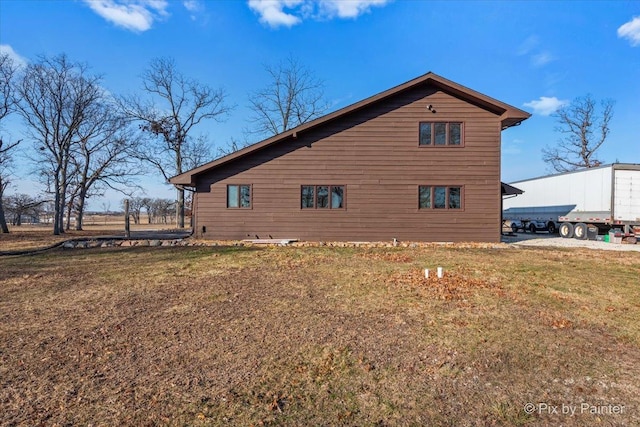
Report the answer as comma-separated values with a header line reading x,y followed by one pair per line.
x,y
453,286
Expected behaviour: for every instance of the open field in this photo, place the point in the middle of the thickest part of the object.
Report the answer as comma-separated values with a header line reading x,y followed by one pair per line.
x,y
320,336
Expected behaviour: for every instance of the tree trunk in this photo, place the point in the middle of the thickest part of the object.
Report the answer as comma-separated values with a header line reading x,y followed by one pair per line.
x,y
80,213
180,208
56,206
69,208
3,222
127,229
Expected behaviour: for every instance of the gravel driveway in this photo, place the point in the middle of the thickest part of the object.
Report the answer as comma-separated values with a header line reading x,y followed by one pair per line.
x,y
553,240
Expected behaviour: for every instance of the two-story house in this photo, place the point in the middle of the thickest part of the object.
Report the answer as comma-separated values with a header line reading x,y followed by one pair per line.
x,y
417,162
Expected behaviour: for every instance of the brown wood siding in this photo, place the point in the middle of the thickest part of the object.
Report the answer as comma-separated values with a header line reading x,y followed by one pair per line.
x,y
374,153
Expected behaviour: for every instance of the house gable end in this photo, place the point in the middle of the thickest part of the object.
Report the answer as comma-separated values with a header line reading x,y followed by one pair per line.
x,y
423,85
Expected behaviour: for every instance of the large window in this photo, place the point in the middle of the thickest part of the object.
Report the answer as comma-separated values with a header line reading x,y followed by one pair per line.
x,y
322,197
239,196
439,197
439,134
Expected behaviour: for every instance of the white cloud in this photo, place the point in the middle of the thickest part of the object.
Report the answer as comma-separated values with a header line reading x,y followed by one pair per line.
x,y
276,13
18,60
134,15
631,31
272,12
545,106
349,8
192,5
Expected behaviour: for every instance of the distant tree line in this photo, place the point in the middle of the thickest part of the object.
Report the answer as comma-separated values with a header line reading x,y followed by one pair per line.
x,y
159,211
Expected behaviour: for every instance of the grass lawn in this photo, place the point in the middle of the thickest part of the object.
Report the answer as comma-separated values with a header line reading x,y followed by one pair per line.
x,y
320,336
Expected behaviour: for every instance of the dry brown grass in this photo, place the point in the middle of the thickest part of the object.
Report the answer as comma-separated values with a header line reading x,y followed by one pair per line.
x,y
318,336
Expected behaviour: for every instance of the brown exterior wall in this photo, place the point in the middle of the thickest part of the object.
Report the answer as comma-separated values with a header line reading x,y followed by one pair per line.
x,y
374,153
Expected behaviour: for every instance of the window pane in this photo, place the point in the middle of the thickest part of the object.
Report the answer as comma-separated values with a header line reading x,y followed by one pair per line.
x,y
425,134
424,197
245,196
441,133
337,196
307,196
454,133
232,196
323,197
454,198
439,195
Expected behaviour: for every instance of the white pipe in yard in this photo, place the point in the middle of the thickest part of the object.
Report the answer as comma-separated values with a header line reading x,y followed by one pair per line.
x,y
440,272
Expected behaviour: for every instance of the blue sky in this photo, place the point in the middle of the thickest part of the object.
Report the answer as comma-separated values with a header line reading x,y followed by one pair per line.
x,y
533,55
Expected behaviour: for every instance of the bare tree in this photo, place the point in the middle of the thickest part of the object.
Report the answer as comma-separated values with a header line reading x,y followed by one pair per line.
x,y
8,70
175,106
135,208
294,96
20,205
5,159
584,129
101,157
56,94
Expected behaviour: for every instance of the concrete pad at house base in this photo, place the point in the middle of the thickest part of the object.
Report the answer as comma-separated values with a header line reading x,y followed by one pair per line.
x,y
270,241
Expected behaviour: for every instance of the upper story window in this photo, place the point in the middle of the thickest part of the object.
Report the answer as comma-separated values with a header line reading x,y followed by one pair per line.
x,y
440,134
439,197
239,196
322,197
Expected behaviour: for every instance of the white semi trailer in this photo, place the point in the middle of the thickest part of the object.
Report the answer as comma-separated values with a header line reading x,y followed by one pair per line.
x,y
605,197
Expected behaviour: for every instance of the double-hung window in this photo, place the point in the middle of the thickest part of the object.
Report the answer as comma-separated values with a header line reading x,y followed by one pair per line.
x,y
439,197
322,197
440,134
239,196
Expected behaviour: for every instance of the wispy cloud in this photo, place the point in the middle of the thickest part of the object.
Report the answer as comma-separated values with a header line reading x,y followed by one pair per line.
x,y
530,47
541,59
195,7
631,31
545,106
133,15
18,60
287,13
512,147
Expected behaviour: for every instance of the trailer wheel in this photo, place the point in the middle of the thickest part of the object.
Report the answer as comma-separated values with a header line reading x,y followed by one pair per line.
x,y
566,230
551,227
532,228
514,227
580,231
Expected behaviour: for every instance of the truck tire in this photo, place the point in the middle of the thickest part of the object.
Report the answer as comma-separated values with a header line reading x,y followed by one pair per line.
x,y
514,227
532,228
580,231
566,230
551,227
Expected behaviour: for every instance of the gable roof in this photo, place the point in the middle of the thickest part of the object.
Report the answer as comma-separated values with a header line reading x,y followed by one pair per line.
x,y
509,116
